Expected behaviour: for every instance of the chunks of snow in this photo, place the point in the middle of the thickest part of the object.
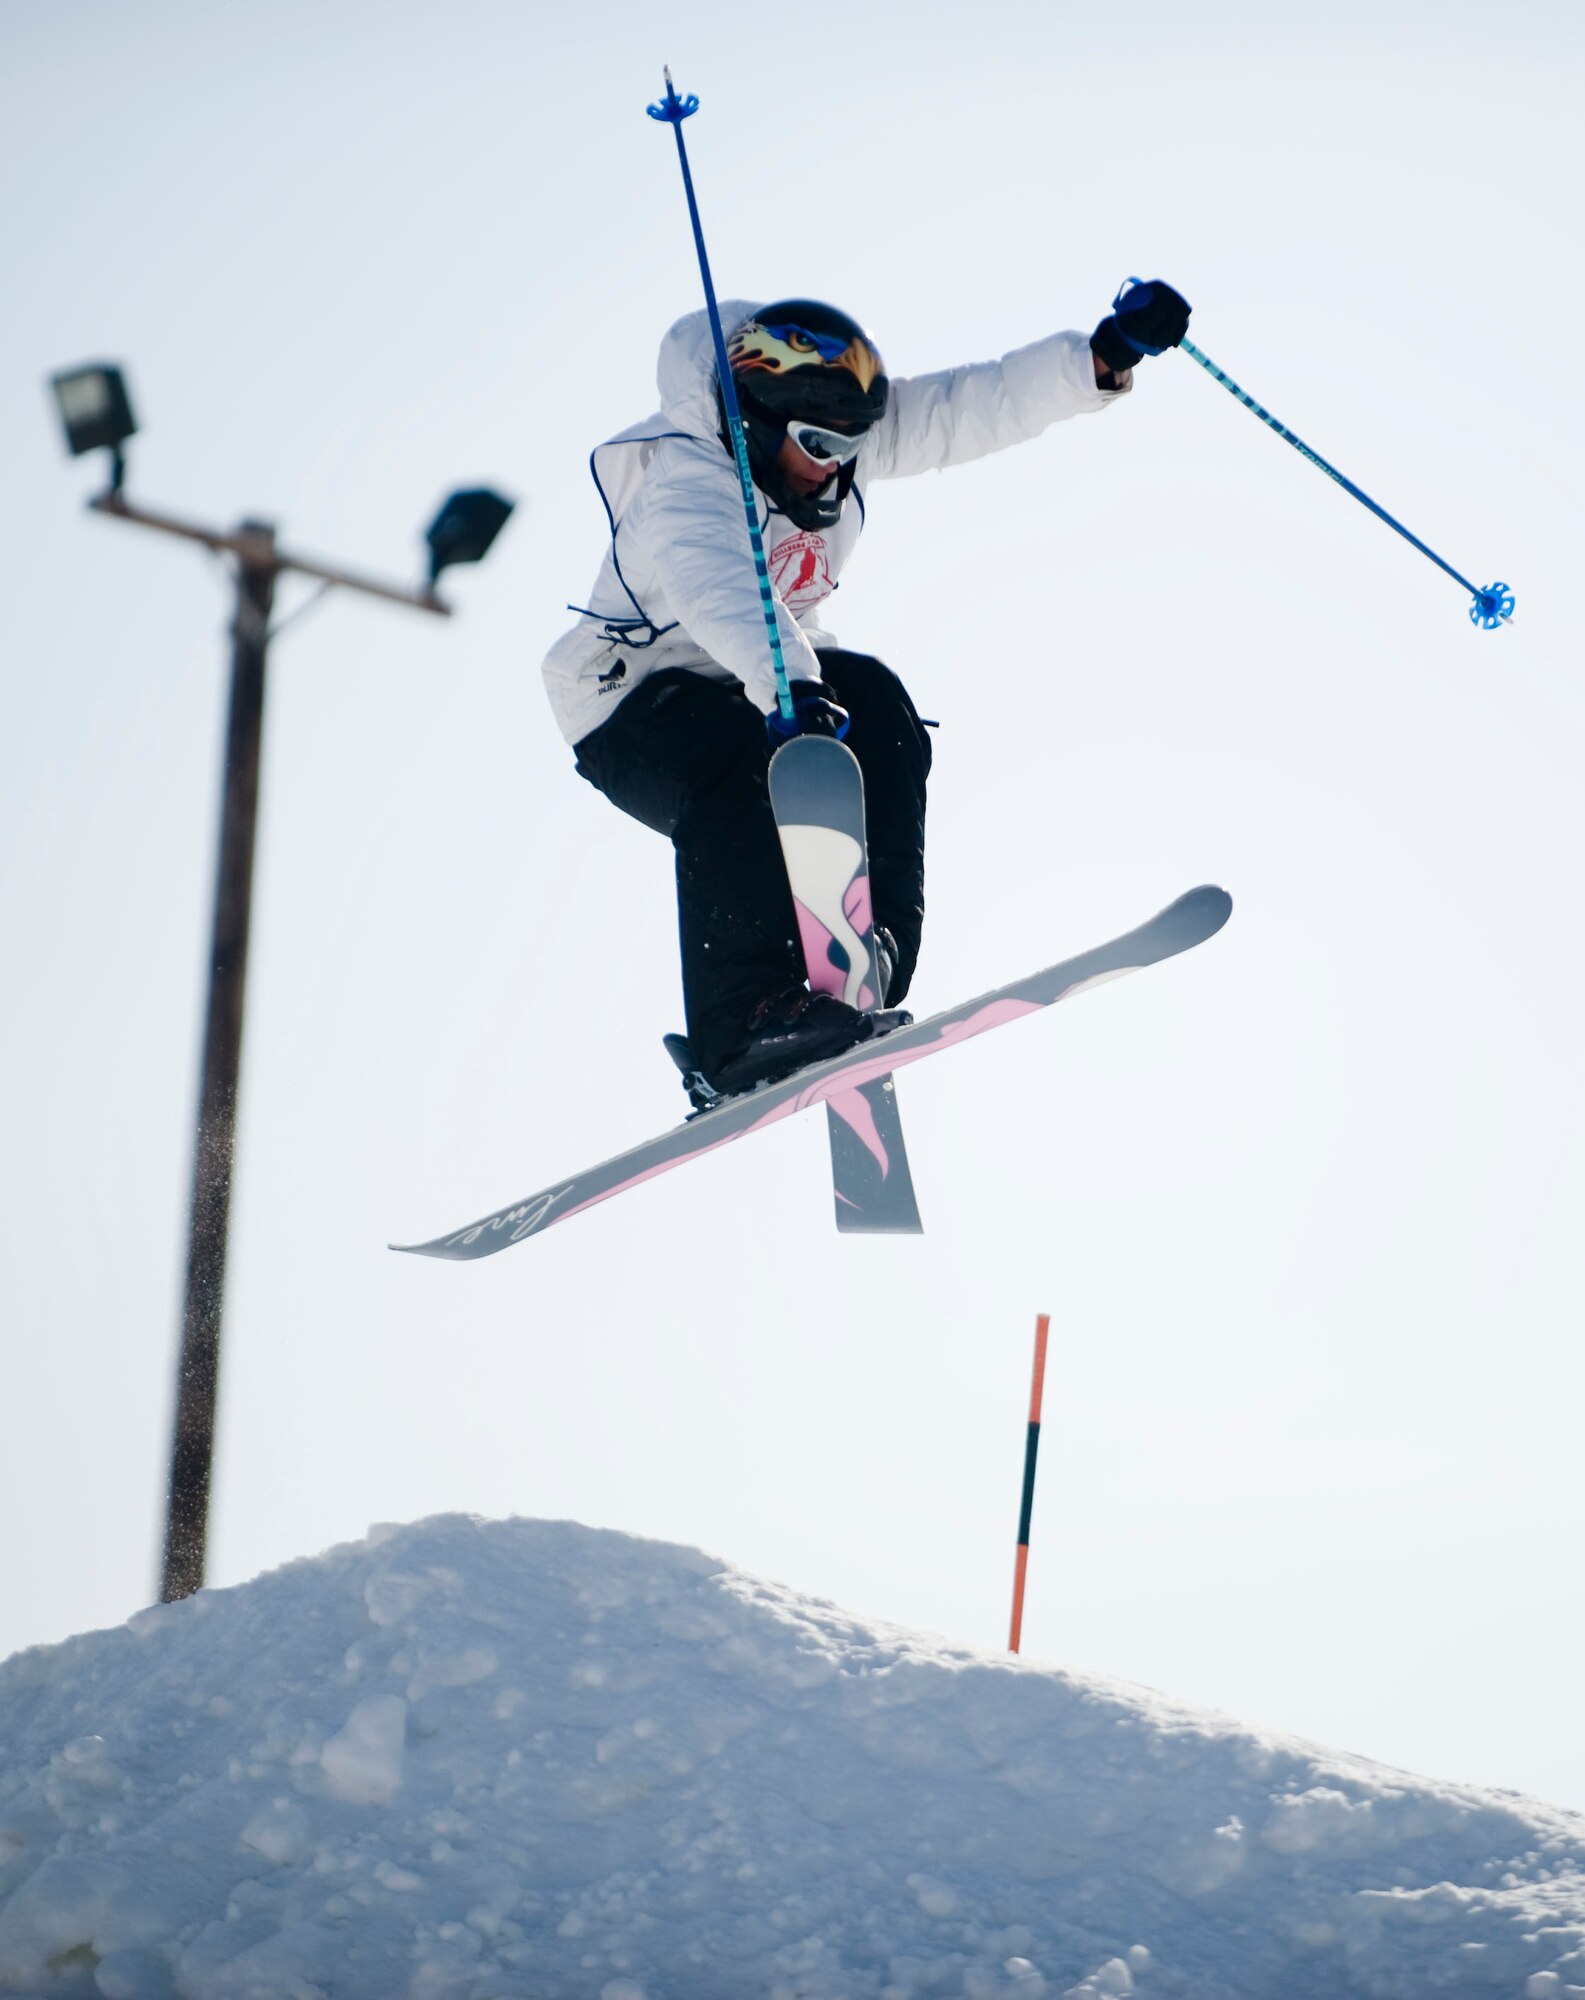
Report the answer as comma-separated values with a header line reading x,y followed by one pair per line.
x,y
278,1831
477,1761
936,1899
1319,1817
1111,1981
391,1596
364,1759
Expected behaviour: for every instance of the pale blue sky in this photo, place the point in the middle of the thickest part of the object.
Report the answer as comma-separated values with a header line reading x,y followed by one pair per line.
x,y
1304,1207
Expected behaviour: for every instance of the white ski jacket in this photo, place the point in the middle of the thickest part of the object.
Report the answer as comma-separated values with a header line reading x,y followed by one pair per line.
x,y
677,585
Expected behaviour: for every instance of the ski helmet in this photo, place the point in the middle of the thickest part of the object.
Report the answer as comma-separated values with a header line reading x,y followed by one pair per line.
x,y
797,358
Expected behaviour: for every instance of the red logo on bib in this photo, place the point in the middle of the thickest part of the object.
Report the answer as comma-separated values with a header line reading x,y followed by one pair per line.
x,y
799,568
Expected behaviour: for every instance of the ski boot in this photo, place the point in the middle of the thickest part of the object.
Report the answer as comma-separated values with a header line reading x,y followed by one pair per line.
x,y
702,1094
789,1033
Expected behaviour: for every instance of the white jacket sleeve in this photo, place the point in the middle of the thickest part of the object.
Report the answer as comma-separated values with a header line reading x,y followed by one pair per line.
x,y
687,529
964,413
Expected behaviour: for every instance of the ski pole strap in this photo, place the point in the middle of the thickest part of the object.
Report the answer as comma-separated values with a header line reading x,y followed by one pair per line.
x,y
672,110
1492,606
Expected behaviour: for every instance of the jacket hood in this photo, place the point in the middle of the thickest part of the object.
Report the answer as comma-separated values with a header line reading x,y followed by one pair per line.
x,y
685,372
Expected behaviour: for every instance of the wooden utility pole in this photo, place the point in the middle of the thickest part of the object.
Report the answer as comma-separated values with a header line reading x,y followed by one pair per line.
x,y
198,1371
258,563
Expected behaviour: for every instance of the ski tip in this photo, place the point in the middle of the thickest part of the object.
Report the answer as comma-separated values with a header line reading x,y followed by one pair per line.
x,y
441,1247
811,760
1203,910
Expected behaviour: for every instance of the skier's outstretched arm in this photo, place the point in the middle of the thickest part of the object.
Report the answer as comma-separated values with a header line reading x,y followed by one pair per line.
x,y
687,526
963,413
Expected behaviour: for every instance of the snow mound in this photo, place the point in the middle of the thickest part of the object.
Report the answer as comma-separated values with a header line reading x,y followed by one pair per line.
x,y
526,1760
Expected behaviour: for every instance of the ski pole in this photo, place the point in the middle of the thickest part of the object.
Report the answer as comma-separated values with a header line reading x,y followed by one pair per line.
x,y
672,110
1031,1451
1492,607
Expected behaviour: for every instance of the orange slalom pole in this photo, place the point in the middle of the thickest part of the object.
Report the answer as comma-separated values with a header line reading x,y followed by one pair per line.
x,y
1031,1451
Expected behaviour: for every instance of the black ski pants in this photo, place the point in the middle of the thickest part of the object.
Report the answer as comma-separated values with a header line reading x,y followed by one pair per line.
x,y
688,756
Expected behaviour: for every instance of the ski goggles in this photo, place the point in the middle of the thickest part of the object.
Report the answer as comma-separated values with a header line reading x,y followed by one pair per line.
x,y
827,446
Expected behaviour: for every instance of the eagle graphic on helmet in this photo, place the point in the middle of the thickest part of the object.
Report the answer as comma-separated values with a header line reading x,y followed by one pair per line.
x,y
774,345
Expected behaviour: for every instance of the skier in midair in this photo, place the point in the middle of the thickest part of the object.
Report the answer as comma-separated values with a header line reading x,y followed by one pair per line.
x,y
665,687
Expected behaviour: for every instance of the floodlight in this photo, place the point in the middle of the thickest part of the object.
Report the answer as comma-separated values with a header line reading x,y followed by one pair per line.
x,y
96,412
465,527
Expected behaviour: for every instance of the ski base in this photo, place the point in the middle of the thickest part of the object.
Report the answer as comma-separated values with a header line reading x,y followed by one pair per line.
x,y
1188,922
872,1185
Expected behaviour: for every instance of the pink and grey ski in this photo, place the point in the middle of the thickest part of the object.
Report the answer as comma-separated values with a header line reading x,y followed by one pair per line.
x,y
1188,922
817,795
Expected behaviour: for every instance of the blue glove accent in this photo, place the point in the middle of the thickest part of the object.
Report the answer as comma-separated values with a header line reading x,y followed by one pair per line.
x,y
1147,317
814,714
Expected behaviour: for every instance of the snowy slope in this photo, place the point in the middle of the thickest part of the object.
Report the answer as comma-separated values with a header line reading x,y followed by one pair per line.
x,y
530,1759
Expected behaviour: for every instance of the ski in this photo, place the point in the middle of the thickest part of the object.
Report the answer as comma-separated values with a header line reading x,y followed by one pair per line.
x,y
817,795
872,1185
1188,922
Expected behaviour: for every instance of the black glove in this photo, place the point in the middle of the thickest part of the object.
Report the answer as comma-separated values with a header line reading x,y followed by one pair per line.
x,y
814,714
1146,317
